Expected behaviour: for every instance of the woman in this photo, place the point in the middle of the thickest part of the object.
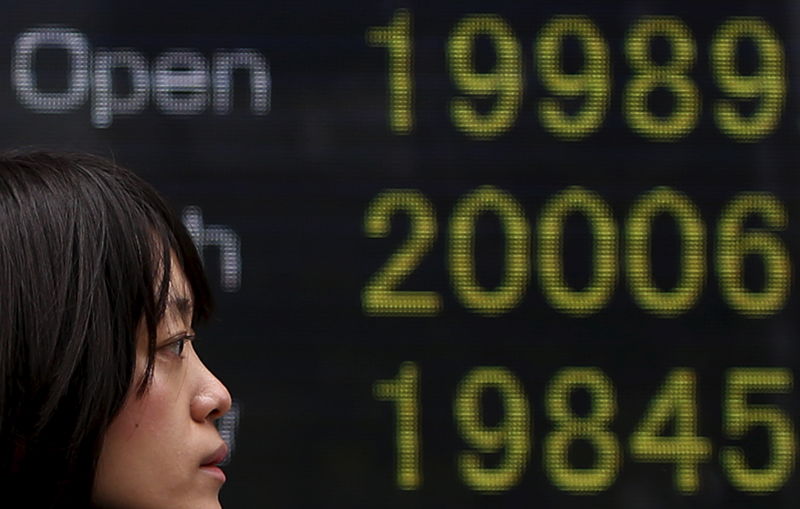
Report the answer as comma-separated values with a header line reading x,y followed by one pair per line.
x,y
103,400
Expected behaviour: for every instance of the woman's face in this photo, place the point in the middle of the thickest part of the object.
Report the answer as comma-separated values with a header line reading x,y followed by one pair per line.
x,y
159,451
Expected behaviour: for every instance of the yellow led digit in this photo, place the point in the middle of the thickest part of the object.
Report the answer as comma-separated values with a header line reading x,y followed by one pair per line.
x,y
675,404
740,416
766,87
403,391
461,251
503,84
511,435
397,39
592,427
556,290
644,291
380,296
734,243
592,83
650,75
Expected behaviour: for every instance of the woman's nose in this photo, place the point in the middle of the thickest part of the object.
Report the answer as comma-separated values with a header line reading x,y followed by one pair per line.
x,y
212,399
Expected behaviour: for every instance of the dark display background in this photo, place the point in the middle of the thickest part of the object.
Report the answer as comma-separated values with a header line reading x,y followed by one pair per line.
x,y
292,342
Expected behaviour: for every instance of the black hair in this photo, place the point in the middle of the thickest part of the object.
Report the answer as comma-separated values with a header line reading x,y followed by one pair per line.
x,y
85,259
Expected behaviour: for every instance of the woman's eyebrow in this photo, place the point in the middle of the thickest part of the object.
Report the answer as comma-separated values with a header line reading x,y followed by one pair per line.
x,y
182,304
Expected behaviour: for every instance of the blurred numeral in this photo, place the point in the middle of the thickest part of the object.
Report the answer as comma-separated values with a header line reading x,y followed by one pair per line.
x,y
396,37
675,407
403,391
740,417
650,75
692,269
380,296
766,87
592,84
510,437
592,427
502,85
556,290
734,244
467,288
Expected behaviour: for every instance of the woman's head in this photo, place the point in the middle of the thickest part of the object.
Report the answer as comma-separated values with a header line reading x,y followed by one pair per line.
x,y
99,280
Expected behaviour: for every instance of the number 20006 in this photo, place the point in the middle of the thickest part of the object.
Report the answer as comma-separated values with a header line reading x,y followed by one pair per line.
x,y
736,239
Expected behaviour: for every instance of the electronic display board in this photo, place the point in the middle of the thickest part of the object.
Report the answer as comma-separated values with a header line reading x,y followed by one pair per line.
x,y
484,254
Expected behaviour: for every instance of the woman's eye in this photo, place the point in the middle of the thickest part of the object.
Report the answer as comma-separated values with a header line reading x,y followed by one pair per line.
x,y
177,345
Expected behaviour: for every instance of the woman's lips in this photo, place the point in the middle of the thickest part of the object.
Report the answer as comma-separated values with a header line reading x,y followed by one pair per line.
x,y
209,464
214,471
215,457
